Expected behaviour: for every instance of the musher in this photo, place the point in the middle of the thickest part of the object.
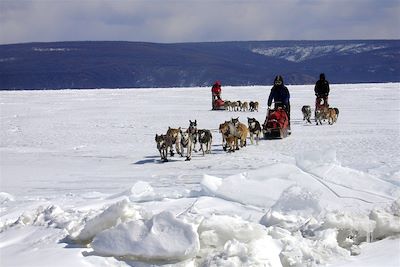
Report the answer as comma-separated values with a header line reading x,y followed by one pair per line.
x,y
281,96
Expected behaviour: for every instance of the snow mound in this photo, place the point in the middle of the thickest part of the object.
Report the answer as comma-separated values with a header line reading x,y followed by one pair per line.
x,y
6,197
255,188
232,241
140,191
298,200
293,209
119,212
50,216
387,220
352,228
162,238
298,251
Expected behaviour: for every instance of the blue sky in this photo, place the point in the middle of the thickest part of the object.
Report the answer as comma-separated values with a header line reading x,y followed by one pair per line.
x,y
171,21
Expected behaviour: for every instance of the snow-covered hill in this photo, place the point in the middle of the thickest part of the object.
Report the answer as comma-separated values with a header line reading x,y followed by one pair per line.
x,y
299,53
99,64
82,183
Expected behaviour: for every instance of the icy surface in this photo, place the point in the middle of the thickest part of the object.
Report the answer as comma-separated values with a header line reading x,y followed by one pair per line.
x,y
82,181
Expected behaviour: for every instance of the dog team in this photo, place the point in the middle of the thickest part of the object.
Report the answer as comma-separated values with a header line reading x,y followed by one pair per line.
x,y
182,140
321,114
234,136
241,106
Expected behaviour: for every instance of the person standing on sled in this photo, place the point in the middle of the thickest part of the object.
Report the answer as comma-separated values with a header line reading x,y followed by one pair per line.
x,y
280,95
216,92
321,90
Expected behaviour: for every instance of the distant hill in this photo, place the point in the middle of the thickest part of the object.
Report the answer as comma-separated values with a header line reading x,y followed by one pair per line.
x,y
136,64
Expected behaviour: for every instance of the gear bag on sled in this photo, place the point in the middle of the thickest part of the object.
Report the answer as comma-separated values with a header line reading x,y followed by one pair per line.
x,y
276,124
218,104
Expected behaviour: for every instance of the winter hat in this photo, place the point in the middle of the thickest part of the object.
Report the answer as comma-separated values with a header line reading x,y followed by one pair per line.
x,y
278,80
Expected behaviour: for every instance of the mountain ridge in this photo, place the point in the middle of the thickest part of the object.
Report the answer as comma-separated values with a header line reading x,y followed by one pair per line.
x,y
122,64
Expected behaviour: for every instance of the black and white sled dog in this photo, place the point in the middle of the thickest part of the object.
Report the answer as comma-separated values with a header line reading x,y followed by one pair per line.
x,y
193,131
306,110
254,129
205,138
253,106
164,142
184,139
189,137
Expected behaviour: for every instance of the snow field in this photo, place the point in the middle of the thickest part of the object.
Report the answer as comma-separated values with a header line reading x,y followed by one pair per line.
x,y
81,180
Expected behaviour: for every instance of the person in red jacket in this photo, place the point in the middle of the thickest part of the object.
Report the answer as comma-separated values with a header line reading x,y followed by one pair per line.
x,y
216,95
216,90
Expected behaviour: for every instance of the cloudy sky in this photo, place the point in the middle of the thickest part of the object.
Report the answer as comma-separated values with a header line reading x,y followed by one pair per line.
x,y
170,21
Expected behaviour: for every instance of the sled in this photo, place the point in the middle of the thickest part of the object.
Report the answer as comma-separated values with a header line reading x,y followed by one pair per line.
x,y
276,124
320,104
218,104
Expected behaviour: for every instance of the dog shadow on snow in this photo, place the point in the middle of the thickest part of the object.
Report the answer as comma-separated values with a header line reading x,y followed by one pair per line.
x,y
217,149
152,159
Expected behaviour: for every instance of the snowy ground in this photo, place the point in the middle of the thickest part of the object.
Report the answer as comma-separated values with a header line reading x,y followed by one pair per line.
x,y
82,183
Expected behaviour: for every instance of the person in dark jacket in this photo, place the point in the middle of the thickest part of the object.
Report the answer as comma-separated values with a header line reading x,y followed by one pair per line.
x,y
321,90
280,95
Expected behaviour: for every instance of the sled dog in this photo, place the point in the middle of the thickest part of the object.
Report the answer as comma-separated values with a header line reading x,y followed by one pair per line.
x,y
234,106
337,112
205,138
244,106
193,131
227,104
239,130
184,139
331,116
192,139
235,121
321,115
254,129
175,135
306,110
224,130
163,143
230,143
253,106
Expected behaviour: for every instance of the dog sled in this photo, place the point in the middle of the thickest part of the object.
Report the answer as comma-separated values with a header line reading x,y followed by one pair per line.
x,y
276,125
321,103
216,101
218,104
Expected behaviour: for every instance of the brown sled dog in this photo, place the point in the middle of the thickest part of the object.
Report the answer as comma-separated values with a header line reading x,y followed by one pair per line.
x,y
175,135
239,130
331,116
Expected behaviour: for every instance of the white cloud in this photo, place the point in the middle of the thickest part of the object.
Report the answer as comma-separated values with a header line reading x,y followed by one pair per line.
x,y
195,20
